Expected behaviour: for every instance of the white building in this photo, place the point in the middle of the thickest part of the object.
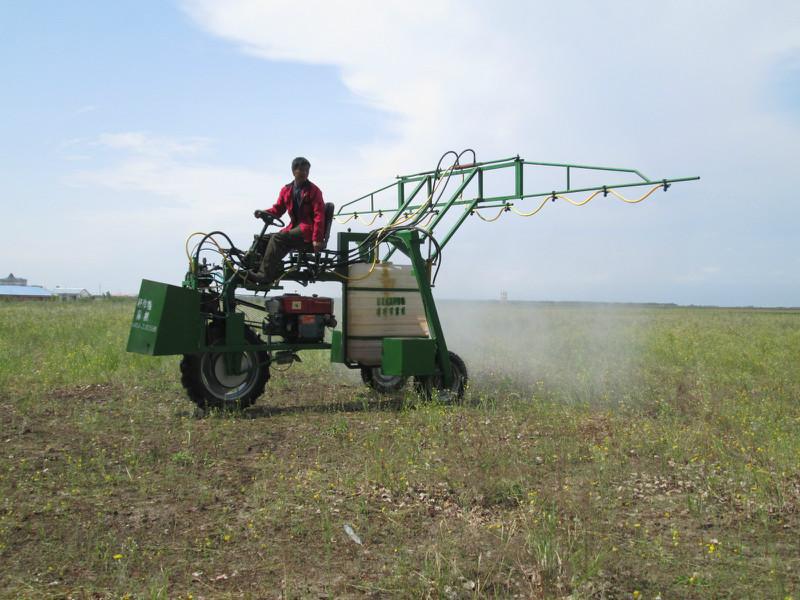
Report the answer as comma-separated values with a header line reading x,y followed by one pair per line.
x,y
71,293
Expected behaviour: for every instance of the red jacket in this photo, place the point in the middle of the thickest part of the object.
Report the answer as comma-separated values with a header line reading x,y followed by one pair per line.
x,y
311,219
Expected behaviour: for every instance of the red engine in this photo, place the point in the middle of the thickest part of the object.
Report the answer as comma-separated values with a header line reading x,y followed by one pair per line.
x,y
300,319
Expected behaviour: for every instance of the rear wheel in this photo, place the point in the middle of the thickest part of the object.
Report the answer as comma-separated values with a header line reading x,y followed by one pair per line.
x,y
208,384
384,384
428,385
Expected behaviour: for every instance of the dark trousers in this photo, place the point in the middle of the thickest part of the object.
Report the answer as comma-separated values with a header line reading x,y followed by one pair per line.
x,y
279,245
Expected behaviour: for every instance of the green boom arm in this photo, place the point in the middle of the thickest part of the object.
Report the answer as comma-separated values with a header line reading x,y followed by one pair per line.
x,y
427,209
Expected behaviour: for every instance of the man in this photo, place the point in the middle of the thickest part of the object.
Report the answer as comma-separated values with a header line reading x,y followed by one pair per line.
x,y
306,229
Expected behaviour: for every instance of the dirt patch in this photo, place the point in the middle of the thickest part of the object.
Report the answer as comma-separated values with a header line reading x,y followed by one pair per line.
x,y
595,429
92,392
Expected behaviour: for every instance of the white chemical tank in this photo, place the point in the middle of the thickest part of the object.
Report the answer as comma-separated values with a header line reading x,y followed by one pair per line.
x,y
383,302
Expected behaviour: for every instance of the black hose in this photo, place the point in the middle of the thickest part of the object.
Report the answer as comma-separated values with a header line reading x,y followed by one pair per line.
x,y
205,237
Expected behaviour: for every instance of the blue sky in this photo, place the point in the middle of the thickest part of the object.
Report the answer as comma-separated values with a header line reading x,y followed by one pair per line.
x,y
75,71
128,125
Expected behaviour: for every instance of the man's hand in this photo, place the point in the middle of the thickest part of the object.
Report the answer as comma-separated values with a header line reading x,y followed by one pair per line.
x,y
317,246
258,214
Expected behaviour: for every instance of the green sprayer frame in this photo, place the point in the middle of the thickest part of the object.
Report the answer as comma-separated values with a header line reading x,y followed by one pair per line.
x,y
476,171
176,323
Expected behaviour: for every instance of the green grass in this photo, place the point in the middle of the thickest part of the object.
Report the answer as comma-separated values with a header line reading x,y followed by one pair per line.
x,y
600,452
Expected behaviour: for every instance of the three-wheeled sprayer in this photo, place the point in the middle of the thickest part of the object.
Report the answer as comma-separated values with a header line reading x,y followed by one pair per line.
x,y
390,327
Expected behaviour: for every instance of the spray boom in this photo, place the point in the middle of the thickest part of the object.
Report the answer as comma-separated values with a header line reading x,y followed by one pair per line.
x,y
422,203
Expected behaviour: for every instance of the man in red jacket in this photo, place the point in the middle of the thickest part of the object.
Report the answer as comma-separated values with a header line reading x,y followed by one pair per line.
x,y
306,228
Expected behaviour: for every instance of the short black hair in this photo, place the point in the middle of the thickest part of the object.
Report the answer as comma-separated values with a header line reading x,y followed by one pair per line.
x,y
300,161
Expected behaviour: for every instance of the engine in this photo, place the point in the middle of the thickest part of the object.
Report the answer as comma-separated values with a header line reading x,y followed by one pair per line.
x,y
297,318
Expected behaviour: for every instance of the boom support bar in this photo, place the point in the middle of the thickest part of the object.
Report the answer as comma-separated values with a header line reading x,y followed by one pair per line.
x,y
434,206
408,212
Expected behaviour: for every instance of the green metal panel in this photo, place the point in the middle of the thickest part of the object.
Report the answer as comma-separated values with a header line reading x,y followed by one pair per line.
x,y
234,336
408,356
408,242
337,347
234,329
166,320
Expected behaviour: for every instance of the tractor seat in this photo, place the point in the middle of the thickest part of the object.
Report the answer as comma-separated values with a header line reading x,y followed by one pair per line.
x,y
329,208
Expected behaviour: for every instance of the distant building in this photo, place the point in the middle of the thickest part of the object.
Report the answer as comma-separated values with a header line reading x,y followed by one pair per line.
x,y
72,293
24,292
504,296
11,280
17,288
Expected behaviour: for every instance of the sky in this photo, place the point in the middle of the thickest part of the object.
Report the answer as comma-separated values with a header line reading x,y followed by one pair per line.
x,y
127,125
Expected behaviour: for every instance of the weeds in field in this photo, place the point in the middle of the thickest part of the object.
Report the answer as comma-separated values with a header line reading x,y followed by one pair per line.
x,y
625,452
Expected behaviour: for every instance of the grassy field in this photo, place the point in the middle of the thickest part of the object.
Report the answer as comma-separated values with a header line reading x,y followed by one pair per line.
x,y
601,452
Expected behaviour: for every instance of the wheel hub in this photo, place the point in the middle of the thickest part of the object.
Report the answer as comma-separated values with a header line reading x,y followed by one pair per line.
x,y
231,380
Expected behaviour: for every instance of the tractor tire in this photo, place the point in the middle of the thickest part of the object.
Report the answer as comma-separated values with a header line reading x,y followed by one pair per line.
x,y
207,385
383,384
429,386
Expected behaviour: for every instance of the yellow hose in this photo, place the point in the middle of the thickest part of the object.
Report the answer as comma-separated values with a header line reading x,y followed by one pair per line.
x,y
533,212
591,197
621,197
375,217
189,254
492,219
581,203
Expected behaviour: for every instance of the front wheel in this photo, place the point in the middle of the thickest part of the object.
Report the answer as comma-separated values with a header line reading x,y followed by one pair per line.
x,y
428,385
209,385
383,384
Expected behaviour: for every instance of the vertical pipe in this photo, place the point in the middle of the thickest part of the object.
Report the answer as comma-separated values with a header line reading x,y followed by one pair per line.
x,y
411,240
518,183
343,246
430,187
401,193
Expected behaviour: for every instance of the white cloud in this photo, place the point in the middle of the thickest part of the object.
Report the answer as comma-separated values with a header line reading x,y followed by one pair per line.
x,y
441,74
672,88
168,167
153,192
145,144
569,82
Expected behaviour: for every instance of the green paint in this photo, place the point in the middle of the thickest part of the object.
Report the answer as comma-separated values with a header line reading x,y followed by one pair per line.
x,y
166,320
337,347
408,356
